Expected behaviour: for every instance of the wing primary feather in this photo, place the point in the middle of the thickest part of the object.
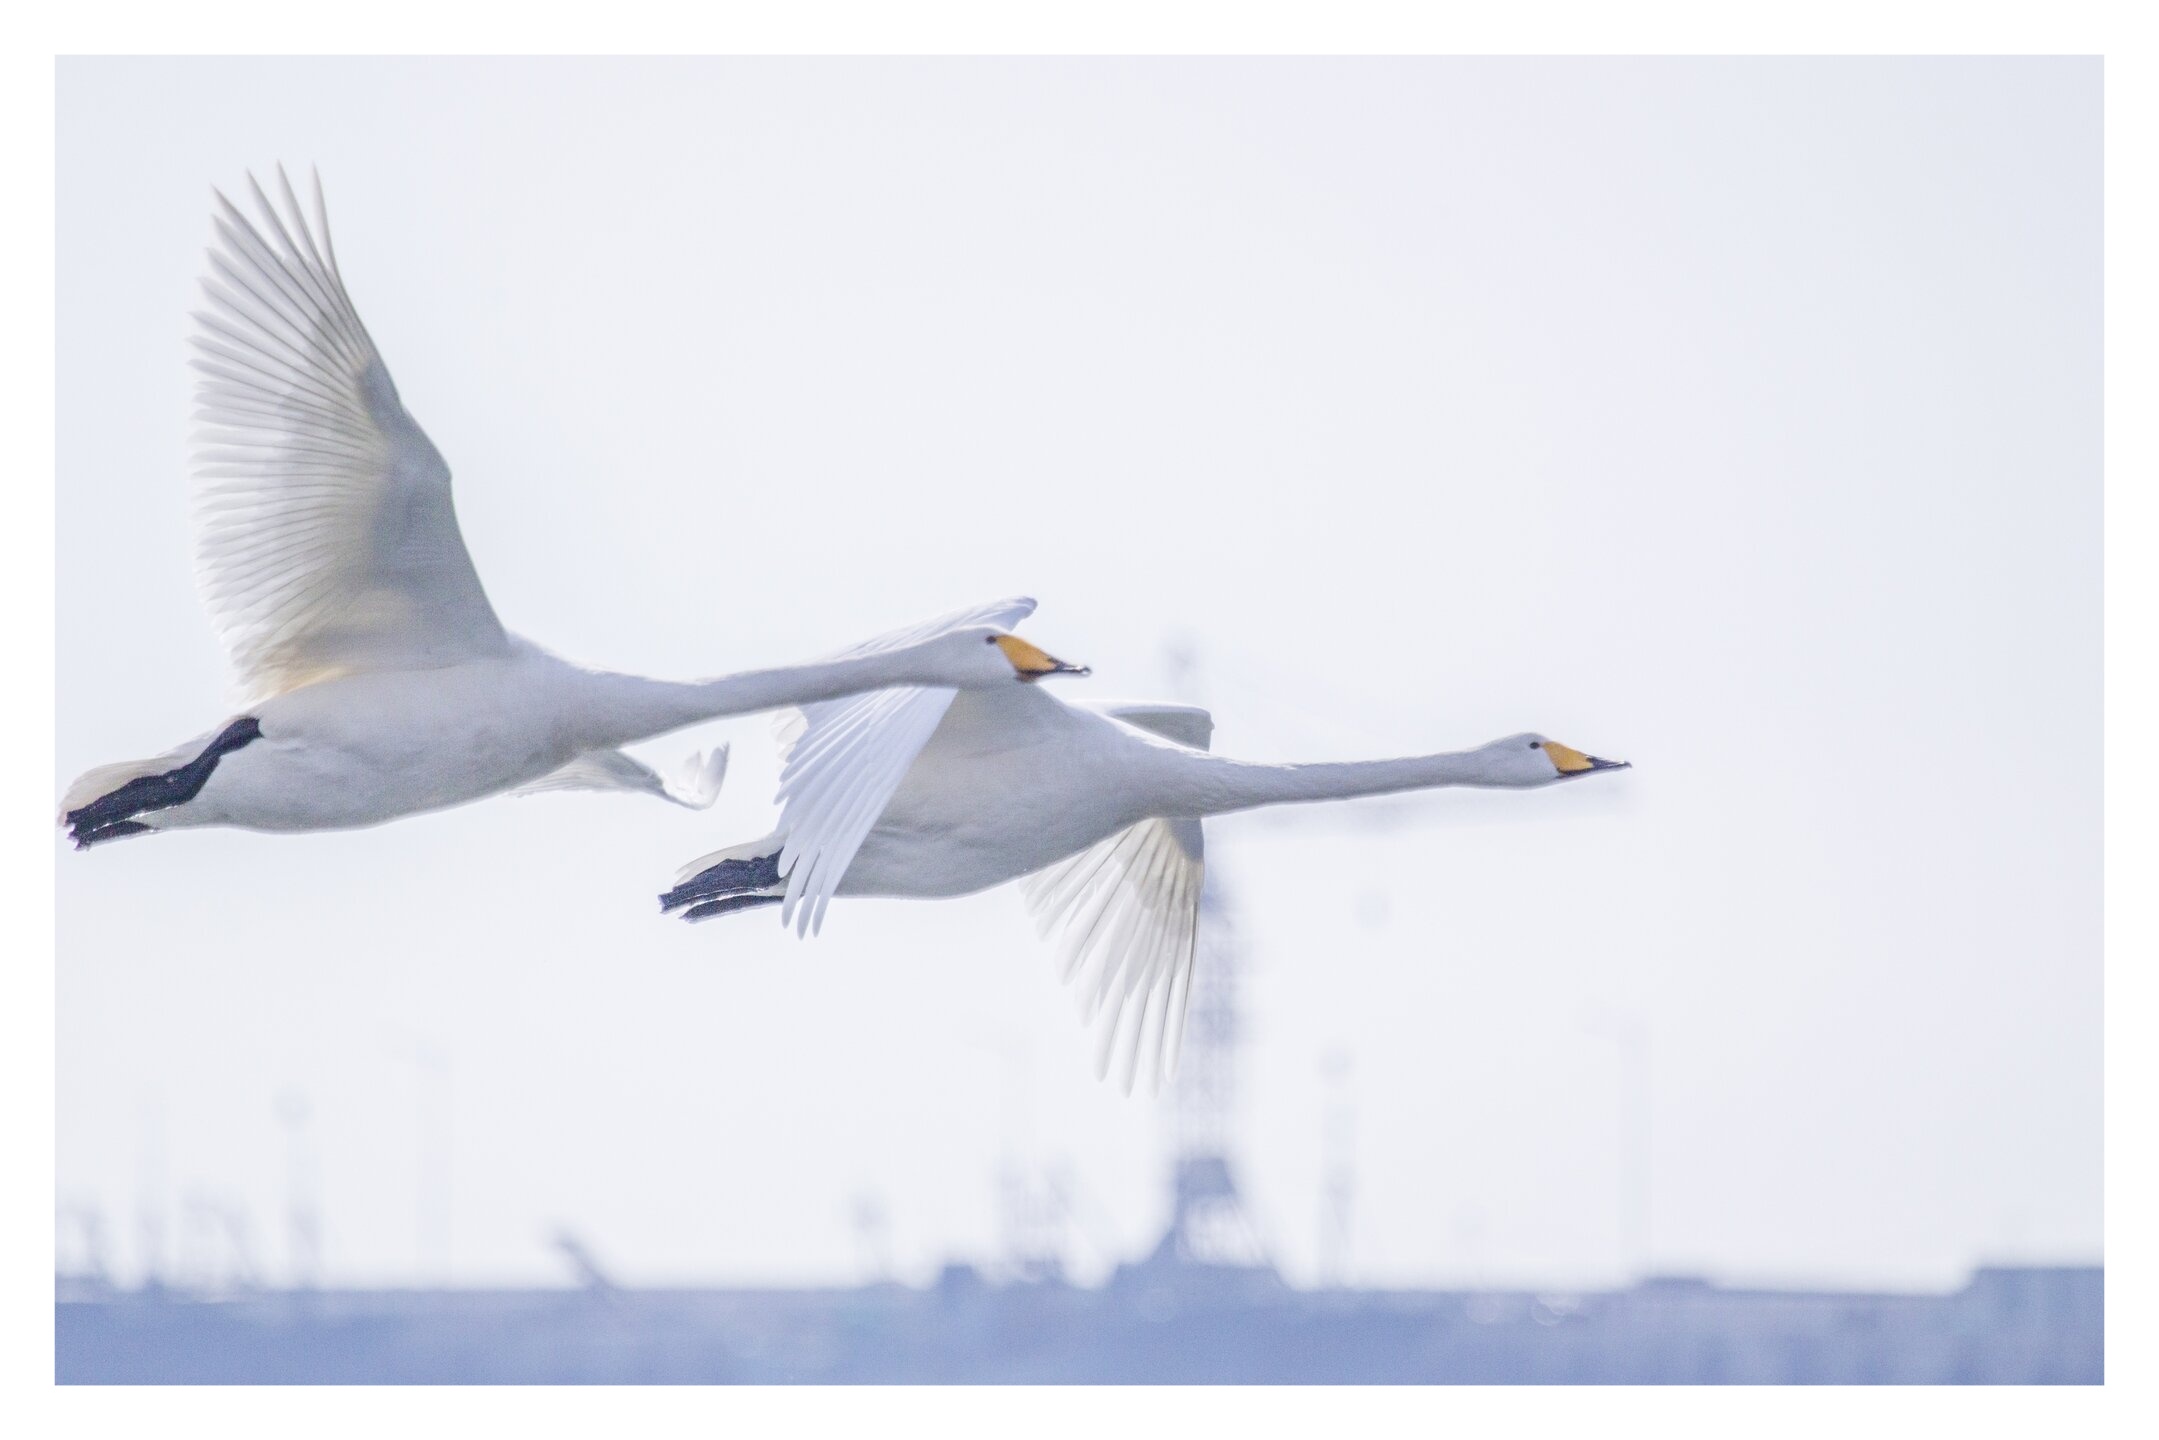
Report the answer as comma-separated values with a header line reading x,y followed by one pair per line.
x,y
261,342
239,237
241,234
1064,888
843,727
821,810
1158,863
326,538
329,255
299,221
1181,991
304,275
1150,1026
1125,915
237,368
865,799
1105,903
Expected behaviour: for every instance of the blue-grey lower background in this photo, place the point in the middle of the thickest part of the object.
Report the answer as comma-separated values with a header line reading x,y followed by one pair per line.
x,y
1159,1321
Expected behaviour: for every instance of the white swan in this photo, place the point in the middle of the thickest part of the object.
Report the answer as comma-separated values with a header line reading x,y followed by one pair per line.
x,y
378,682
922,792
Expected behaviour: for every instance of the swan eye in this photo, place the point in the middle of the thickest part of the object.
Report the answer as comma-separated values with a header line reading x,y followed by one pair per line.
x,y
989,639
1536,744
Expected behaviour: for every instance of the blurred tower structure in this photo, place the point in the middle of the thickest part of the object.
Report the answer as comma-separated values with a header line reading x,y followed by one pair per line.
x,y
81,1269
1033,1208
1033,1203
1338,1175
1208,1221
150,1226
432,1153
1632,1035
217,1246
872,1224
303,1214
1209,1225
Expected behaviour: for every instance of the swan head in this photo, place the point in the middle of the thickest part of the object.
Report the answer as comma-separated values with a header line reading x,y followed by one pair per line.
x,y
1520,761
982,656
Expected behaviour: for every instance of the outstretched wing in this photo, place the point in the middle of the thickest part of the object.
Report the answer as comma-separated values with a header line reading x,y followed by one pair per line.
x,y
696,789
1126,911
325,537
844,758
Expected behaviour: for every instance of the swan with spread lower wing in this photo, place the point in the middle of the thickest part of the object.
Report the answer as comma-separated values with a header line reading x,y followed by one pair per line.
x,y
917,791
378,682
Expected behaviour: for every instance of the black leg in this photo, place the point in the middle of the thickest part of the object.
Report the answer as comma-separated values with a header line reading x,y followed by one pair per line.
x,y
729,877
107,817
732,903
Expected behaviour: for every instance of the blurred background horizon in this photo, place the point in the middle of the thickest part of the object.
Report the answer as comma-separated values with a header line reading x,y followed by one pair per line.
x,y
1736,418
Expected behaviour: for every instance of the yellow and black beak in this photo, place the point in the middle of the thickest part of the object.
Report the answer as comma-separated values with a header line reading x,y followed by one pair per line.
x,y
1032,662
1570,761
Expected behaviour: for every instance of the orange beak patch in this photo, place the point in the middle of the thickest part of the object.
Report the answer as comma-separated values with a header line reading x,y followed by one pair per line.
x,y
1032,662
1569,761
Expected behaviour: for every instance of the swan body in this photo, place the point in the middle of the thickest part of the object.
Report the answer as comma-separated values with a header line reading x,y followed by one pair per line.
x,y
1086,774
378,681
1097,806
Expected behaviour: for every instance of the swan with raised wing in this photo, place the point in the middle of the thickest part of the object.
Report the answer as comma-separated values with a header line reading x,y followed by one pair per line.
x,y
377,680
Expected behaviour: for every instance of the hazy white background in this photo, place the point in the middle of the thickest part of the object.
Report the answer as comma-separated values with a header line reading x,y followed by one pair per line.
x,y
1737,418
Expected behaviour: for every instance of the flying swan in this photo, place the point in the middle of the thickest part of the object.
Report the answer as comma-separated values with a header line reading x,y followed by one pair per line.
x,y
917,791
377,680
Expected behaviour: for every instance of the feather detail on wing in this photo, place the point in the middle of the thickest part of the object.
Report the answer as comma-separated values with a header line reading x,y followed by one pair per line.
x,y
844,758
697,786
1126,914
326,541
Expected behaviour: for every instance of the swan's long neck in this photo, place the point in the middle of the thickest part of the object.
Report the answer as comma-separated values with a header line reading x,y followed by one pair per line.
x,y
1213,785
620,709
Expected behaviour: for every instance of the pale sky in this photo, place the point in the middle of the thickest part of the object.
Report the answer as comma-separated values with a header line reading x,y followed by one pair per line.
x,y
1740,419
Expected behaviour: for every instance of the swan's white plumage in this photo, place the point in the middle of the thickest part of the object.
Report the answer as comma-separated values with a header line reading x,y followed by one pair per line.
x,y
844,758
1125,909
1186,724
377,680
326,541
1095,807
1125,912
698,785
